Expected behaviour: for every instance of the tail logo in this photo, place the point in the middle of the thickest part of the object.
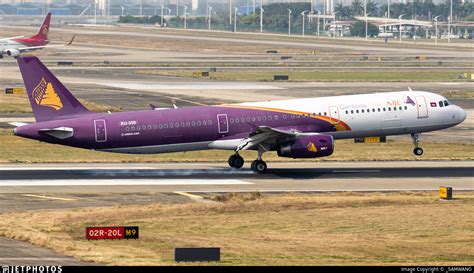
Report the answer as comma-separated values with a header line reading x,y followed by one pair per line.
x,y
45,95
45,31
311,147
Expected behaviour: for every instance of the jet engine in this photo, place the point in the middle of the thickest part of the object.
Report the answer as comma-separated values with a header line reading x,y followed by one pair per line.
x,y
307,147
11,52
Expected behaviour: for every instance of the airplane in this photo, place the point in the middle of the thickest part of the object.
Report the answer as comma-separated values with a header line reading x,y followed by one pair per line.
x,y
295,128
14,46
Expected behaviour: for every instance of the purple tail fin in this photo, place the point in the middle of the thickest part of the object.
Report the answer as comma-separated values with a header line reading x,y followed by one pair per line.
x,y
48,96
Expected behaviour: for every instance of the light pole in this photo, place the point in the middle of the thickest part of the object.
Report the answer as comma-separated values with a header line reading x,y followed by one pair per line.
x,y
141,8
122,7
235,19
230,12
436,28
317,23
400,26
366,26
162,8
210,14
261,17
185,15
289,22
177,8
449,21
335,25
302,14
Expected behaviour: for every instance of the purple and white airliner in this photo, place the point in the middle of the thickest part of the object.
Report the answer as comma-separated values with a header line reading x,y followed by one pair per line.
x,y
297,128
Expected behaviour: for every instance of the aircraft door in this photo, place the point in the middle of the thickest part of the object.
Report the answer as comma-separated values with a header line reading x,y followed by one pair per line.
x,y
100,130
334,114
222,123
421,106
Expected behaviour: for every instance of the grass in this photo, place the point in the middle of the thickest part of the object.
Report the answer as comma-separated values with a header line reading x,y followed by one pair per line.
x,y
290,229
335,76
19,150
18,103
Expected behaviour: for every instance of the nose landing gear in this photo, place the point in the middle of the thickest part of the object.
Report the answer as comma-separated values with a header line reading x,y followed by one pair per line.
x,y
416,141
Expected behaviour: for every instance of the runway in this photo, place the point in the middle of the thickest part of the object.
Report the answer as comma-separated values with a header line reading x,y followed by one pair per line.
x,y
202,177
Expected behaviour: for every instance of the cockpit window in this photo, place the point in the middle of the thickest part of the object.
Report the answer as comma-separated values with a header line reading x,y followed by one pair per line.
x,y
446,103
440,104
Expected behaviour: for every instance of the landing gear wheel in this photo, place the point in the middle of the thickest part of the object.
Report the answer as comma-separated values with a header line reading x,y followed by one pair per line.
x,y
418,151
259,166
236,161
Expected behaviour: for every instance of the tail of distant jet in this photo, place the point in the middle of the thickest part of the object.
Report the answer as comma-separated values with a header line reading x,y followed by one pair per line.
x,y
48,96
43,31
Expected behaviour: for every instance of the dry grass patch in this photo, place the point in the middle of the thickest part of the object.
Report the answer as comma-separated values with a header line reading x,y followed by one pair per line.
x,y
326,76
18,103
288,229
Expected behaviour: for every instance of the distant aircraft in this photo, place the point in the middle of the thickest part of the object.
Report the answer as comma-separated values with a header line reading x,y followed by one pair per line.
x,y
297,128
14,46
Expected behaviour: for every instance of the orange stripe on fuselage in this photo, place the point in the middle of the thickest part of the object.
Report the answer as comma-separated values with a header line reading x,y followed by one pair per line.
x,y
339,124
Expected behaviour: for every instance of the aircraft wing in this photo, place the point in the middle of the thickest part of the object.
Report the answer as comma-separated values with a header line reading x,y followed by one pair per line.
x,y
4,39
265,136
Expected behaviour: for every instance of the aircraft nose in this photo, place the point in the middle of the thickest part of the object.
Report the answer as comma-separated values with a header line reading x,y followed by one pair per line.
x,y
462,114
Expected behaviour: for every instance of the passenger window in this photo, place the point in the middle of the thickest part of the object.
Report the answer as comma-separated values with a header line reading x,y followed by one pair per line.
x,y
440,104
362,110
357,111
394,108
264,118
188,124
383,109
259,118
352,111
373,110
160,126
400,108
406,108
242,119
155,127
182,124
193,123
209,122
165,125
204,123
237,120
347,112
248,119
198,123
292,116
275,117
285,117
389,109
325,114
127,128
133,128
319,114
253,119
378,109
171,125
270,118
176,125
143,127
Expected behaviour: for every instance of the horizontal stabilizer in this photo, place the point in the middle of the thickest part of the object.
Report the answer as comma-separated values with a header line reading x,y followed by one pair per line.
x,y
59,132
18,124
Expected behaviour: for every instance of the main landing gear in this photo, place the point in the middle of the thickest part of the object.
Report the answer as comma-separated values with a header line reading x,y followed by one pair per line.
x,y
258,165
236,161
416,141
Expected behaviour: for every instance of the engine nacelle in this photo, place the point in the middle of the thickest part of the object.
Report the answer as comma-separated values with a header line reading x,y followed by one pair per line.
x,y
11,52
308,147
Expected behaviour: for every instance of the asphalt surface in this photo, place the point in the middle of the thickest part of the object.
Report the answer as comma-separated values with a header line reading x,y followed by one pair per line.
x,y
202,177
